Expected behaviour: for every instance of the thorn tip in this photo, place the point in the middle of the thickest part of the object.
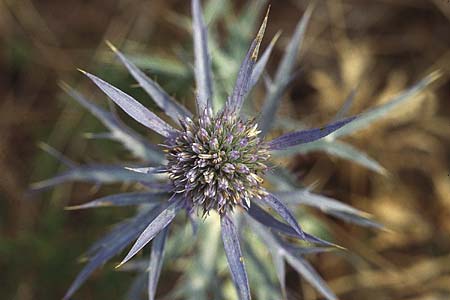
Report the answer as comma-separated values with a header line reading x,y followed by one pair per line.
x,y
111,46
260,35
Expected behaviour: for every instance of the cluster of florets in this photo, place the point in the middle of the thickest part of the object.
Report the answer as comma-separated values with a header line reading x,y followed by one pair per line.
x,y
217,162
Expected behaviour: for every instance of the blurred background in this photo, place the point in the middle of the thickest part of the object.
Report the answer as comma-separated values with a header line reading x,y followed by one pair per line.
x,y
379,47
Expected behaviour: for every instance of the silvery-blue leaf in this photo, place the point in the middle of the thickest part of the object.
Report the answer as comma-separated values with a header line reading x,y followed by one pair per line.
x,y
147,170
243,79
58,155
267,237
111,246
356,219
132,107
235,259
280,269
172,108
346,106
168,211
97,174
339,149
306,136
347,151
203,72
326,204
329,206
157,186
133,225
367,118
156,261
300,250
117,230
268,83
284,72
124,199
278,246
262,62
132,141
266,219
310,275
161,65
98,135
282,178
284,212
316,240
137,288
288,61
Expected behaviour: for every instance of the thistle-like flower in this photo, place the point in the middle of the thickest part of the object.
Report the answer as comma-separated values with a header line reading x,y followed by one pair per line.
x,y
214,161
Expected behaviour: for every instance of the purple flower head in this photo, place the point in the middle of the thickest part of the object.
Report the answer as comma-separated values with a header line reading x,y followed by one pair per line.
x,y
219,159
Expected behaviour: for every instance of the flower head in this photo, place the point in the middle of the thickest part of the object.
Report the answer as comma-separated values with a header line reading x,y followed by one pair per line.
x,y
217,162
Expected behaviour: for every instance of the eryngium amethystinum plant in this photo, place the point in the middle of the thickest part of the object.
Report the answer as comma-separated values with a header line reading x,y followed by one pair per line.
x,y
212,167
